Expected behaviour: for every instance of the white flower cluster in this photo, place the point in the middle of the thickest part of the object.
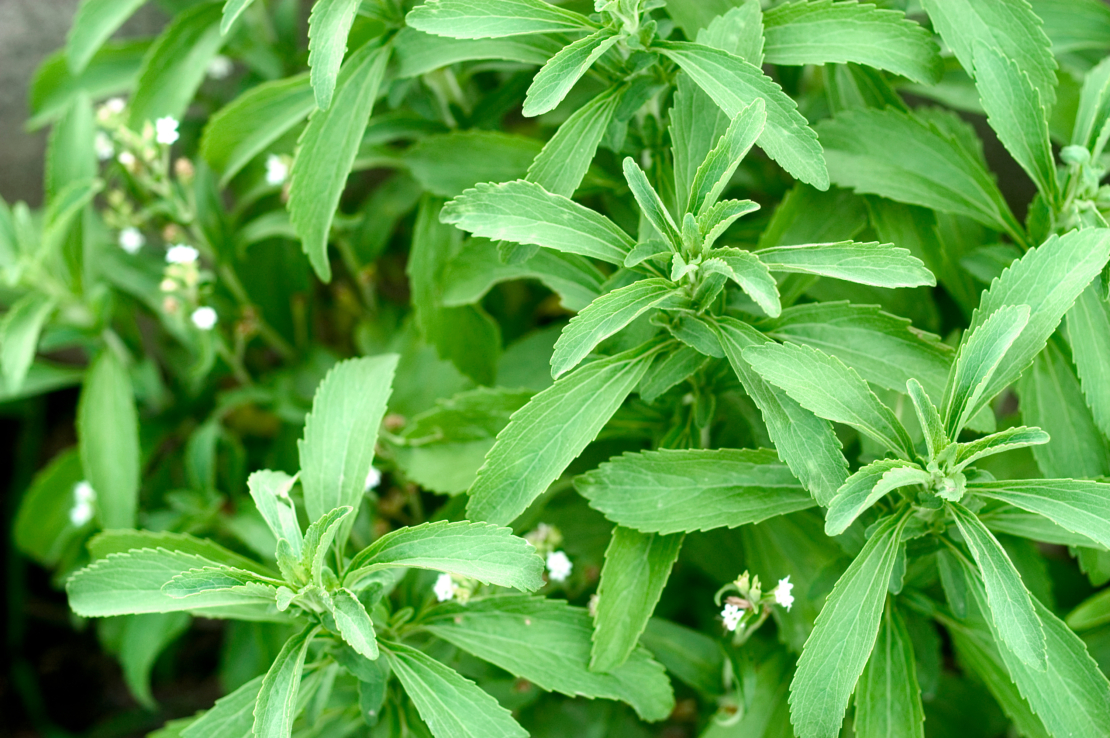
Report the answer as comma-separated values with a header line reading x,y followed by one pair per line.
x,y
165,130
445,588
131,240
277,170
220,67
373,479
732,614
204,318
559,566
83,498
782,592
182,254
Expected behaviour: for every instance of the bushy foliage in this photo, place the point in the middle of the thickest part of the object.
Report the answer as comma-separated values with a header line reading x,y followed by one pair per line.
x,y
823,449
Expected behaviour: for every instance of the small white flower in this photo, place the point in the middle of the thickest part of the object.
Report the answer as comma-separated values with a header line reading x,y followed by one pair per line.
x,y
204,318
182,254
103,146
84,492
373,479
126,158
782,593
165,130
276,170
220,67
444,588
558,566
131,240
115,105
83,497
732,614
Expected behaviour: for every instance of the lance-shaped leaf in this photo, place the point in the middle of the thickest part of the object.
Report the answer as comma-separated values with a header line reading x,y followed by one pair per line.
x,y
19,336
215,578
327,151
270,492
979,357
524,212
878,264
340,433
1015,112
1092,612
825,32
328,26
888,700
675,491
607,315
1048,279
488,553
932,425
1089,334
125,583
1077,505
716,171
355,625
1013,28
318,539
884,349
559,75
276,707
651,204
868,485
565,158
1017,522
902,157
734,84
547,642
715,221
1011,607
232,10
452,706
493,18
231,717
550,431
745,269
697,123
825,386
1090,118
108,438
844,636
637,567
996,443
806,443
93,24
124,540
245,127
418,53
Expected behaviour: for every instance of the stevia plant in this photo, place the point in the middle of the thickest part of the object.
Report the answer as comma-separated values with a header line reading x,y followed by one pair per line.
x,y
762,389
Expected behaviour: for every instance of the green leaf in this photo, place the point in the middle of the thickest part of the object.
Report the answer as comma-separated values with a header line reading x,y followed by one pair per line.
x,y
270,492
1050,397
697,123
452,707
1093,101
844,636
70,156
93,24
675,491
523,212
232,10
108,437
340,433
547,642
867,486
327,152
715,172
418,53
888,700
651,205
905,158
122,584
996,443
1048,279
887,351
733,84
1077,505
1092,612
176,64
825,386
824,32
637,567
450,163
276,707
250,123
979,356
693,657
112,70
878,264
144,637
123,540
231,717
354,623
43,529
562,72
746,269
1015,111
806,443
210,579
318,540
713,223
19,336
932,426
493,18
551,431
488,553
1011,607
1088,329
565,158
738,31
1011,27
328,27
606,316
